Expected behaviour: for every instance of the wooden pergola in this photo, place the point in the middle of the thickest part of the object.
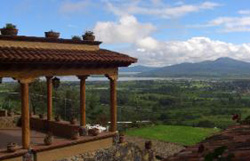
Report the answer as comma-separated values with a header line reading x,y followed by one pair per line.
x,y
27,58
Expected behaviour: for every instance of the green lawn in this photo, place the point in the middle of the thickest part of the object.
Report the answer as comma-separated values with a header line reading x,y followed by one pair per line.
x,y
184,135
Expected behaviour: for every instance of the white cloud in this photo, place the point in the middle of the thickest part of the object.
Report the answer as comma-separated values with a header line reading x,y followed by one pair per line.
x,y
157,2
239,23
195,49
244,12
208,5
148,43
163,11
152,52
72,7
232,24
127,30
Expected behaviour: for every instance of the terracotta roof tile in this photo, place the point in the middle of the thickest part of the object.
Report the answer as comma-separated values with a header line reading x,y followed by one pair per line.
x,y
32,55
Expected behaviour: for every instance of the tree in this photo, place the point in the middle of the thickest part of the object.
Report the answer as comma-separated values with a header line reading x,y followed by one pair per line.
x,y
38,93
92,106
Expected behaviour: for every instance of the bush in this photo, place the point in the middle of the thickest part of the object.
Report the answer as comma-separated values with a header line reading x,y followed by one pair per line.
x,y
76,38
205,123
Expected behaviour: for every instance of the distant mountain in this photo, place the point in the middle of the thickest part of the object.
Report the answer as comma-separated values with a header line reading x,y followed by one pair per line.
x,y
222,67
138,68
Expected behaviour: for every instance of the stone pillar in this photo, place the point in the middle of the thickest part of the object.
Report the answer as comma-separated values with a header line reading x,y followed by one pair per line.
x,y
113,102
49,97
25,112
83,99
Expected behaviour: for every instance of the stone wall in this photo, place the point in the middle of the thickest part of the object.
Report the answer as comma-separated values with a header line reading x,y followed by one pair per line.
x,y
8,122
3,113
120,152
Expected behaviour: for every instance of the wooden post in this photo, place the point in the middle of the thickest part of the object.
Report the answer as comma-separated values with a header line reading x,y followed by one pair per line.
x,y
25,112
113,102
83,99
49,98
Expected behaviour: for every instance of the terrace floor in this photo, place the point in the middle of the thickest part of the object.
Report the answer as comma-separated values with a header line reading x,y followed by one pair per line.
x,y
37,144
15,135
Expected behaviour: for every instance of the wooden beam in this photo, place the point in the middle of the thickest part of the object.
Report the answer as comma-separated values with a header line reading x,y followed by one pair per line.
x,y
24,83
83,99
33,72
113,102
49,97
25,114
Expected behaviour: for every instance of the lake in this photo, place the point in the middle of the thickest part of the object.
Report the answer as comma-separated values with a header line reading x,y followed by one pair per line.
x,y
123,76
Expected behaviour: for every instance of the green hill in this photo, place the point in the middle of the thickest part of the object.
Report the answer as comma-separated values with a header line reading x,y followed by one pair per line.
x,y
222,67
138,68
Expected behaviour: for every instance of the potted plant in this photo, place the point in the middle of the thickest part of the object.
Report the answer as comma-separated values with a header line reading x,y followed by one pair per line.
x,y
116,138
93,132
76,38
9,30
41,116
148,145
52,34
89,36
31,114
10,113
48,140
73,121
56,82
121,137
58,118
11,147
75,134
83,131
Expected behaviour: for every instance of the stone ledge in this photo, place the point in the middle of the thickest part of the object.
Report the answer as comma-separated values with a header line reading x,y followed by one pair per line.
x,y
121,152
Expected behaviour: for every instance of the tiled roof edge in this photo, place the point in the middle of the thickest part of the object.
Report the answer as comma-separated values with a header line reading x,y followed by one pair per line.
x,y
135,59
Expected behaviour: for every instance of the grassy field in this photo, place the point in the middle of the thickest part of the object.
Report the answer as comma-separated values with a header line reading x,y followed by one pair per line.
x,y
183,135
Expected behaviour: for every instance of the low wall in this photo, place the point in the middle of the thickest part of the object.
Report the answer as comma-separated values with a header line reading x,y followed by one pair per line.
x,y
61,149
67,151
121,152
15,158
38,124
62,129
3,113
20,158
8,122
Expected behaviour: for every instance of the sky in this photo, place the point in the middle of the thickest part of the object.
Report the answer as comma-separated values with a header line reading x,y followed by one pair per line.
x,y
157,32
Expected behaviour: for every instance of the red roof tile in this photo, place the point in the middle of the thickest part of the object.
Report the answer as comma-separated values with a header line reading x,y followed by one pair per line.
x,y
34,55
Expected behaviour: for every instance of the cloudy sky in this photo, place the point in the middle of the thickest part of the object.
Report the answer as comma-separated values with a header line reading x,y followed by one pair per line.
x,y
157,32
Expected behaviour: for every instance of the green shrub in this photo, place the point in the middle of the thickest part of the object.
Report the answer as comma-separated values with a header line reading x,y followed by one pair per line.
x,y
10,26
76,38
205,123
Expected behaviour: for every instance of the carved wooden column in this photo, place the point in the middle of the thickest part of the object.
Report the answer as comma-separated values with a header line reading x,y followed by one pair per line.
x,y
25,112
83,99
113,102
49,97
